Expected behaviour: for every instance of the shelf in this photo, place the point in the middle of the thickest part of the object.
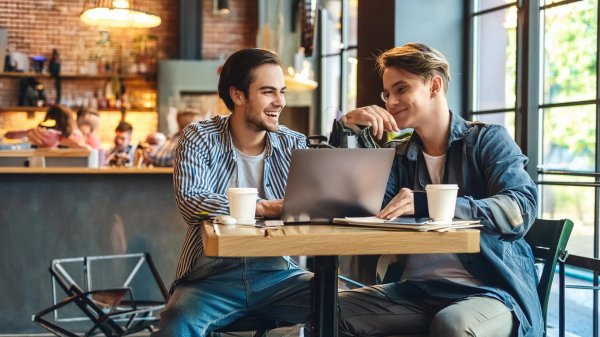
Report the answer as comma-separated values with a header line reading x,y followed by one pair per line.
x,y
85,170
44,108
146,77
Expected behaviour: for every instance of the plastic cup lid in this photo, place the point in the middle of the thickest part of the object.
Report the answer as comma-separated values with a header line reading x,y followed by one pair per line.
x,y
442,187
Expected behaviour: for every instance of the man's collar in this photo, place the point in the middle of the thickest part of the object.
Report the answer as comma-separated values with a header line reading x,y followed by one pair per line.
x,y
459,129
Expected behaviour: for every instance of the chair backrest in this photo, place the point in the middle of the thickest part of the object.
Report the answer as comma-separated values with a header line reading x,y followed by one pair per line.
x,y
103,288
90,273
548,240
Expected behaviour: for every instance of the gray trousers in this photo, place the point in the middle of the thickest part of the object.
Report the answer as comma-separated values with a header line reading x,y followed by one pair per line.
x,y
400,308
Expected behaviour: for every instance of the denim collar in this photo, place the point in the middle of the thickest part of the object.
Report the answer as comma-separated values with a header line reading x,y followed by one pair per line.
x,y
273,142
459,129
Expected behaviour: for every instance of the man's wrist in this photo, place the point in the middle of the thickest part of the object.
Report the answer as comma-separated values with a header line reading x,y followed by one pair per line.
x,y
259,207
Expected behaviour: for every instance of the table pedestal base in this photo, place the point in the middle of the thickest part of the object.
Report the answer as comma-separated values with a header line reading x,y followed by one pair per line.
x,y
324,288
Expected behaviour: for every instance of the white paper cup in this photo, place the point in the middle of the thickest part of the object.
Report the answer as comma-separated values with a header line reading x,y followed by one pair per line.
x,y
242,204
37,161
441,201
93,159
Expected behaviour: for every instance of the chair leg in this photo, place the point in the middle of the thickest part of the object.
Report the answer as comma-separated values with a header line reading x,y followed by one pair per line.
x,y
261,333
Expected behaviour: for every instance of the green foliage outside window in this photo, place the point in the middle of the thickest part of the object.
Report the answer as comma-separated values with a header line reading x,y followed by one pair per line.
x,y
570,58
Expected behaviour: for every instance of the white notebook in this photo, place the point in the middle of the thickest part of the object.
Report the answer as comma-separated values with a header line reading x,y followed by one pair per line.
x,y
418,224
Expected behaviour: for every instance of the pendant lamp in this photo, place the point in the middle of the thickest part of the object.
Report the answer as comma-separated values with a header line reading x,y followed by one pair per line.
x,y
117,13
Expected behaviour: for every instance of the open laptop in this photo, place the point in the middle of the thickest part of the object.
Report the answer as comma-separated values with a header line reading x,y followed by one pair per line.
x,y
330,183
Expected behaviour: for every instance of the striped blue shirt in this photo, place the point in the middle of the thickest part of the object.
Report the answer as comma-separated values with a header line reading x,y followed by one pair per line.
x,y
204,163
163,155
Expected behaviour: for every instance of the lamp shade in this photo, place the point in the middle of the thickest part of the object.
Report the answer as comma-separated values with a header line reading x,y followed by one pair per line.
x,y
117,13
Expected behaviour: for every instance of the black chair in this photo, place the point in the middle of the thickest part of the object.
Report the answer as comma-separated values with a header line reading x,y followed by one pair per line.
x,y
260,327
102,288
548,240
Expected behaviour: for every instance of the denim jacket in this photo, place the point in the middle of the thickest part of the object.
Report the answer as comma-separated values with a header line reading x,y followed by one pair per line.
x,y
494,187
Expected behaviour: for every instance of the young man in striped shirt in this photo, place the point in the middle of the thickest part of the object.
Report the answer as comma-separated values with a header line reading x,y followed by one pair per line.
x,y
246,149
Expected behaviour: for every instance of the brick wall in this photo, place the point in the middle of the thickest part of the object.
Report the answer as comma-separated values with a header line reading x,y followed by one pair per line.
x,y
222,35
36,27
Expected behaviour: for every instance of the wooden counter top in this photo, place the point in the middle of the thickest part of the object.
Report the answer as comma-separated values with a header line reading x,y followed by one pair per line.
x,y
45,153
85,170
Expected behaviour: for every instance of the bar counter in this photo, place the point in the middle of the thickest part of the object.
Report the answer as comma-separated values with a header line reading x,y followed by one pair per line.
x,y
59,212
85,170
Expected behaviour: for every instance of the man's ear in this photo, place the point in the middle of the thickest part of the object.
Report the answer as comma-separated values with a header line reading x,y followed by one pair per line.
x,y
437,85
237,96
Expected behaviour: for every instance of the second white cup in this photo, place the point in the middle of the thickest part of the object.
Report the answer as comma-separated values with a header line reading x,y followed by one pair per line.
x,y
242,204
441,201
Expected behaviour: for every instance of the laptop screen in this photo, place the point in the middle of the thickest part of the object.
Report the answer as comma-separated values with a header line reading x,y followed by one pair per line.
x,y
330,183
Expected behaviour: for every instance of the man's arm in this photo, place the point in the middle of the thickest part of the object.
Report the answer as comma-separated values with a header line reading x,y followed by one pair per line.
x,y
278,175
511,206
195,178
269,208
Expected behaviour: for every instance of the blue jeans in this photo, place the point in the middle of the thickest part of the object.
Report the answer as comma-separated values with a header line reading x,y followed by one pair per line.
x,y
268,287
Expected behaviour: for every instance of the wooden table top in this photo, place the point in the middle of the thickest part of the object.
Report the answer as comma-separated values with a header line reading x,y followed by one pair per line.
x,y
222,240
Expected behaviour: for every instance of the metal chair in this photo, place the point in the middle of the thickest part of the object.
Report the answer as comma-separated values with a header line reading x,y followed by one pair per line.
x,y
260,327
548,240
102,288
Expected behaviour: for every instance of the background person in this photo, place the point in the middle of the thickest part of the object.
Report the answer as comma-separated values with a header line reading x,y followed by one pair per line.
x,y
57,129
88,122
492,293
162,155
122,154
235,151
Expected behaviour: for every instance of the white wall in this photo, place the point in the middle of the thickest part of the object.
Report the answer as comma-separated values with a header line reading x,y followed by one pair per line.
x,y
440,25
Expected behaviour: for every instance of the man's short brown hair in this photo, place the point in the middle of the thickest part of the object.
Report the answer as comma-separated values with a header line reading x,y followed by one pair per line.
x,y
238,71
418,59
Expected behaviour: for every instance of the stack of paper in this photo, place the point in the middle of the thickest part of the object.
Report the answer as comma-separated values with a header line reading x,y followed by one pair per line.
x,y
417,224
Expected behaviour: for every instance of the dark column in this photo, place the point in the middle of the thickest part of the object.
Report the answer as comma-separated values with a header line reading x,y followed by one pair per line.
x,y
376,22
190,29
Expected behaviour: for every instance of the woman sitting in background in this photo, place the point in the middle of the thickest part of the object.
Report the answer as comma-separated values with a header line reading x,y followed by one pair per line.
x,y
58,129
88,122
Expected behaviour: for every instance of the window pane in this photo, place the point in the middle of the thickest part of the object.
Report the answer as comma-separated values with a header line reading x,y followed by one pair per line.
x,y
330,86
332,36
495,60
578,305
569,138
574,203
352,79
352,23
570,33
506,119
481,5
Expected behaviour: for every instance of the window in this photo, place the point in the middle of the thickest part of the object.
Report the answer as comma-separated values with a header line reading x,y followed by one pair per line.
x,y
338,19
494,58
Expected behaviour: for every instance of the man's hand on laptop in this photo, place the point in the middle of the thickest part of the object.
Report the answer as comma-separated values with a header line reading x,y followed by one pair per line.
x,y
269,208
401,204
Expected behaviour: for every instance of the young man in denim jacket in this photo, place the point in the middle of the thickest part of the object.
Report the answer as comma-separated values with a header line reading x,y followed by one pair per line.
x,y
246,149
492,293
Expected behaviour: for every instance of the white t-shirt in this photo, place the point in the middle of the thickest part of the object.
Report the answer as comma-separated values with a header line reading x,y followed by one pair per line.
x,y
248,171
420,267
